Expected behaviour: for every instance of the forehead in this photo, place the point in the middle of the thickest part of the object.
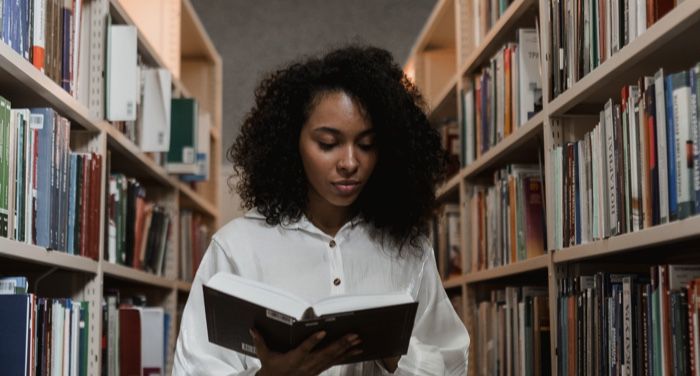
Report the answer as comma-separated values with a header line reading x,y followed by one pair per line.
x,y
337,110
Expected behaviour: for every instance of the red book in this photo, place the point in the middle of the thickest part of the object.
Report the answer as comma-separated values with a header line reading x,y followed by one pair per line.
x,y
662,7
95,195
533,216
129,341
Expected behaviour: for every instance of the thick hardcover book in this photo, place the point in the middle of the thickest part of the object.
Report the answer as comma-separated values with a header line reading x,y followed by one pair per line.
x,y
383,322
183,137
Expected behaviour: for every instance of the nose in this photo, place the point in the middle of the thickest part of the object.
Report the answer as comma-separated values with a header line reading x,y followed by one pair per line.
x,y
348,164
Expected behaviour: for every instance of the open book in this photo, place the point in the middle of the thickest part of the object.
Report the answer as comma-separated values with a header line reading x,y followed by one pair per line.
x,y
234,305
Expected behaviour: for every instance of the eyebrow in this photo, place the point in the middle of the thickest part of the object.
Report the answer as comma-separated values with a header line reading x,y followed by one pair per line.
x,y
336,132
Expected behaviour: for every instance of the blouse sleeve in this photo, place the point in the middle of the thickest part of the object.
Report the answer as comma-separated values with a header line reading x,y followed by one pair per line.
x,y
194,354
440,341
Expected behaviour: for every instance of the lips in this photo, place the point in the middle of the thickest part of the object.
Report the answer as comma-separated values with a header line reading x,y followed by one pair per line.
x,y
347,187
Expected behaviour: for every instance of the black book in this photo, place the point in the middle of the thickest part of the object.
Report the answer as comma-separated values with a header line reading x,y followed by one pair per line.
x,y
383,322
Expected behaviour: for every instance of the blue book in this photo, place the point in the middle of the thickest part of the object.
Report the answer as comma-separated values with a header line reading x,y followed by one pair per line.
x,y
7,22
24,36
671,150
72,202
44,120
15,311
695,125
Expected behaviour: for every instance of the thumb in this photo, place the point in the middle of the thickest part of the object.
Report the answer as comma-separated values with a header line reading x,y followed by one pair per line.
x,y
260,347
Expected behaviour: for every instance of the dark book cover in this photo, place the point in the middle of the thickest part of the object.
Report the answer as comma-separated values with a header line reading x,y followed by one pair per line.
x,y
129,342
385,331
14,318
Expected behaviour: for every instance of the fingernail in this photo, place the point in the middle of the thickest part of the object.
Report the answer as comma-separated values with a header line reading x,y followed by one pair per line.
x,y
356,352
357,342
353,337
320,335
252,333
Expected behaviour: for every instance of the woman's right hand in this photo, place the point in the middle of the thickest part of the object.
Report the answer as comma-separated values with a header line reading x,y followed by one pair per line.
x,y
303,361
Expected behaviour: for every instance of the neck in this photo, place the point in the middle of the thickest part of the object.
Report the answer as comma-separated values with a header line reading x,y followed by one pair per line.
x,y
326,216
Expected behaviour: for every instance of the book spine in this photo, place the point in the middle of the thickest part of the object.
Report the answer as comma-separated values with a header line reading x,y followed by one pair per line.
x,y
683,143
695,125
671,149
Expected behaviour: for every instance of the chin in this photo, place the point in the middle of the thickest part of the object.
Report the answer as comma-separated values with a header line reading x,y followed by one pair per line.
x,y
342,201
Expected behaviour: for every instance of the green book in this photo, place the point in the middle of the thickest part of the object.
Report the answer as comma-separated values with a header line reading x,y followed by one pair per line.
x,y
181,157
4,166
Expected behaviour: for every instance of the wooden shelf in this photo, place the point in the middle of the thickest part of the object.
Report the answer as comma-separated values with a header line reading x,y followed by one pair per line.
x,y
527,132
195,43
498,35
453,282
134,275
192,200
647,238
436,33
147,51
38,255
449,187
520,267
138,165
183,286
25,86
445,104
662,45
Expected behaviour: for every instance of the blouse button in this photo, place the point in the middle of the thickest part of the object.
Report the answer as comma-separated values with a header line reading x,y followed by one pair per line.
x,y
336,281
332,244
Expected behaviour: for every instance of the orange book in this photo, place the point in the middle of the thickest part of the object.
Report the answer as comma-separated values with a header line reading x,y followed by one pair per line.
x,y
508,105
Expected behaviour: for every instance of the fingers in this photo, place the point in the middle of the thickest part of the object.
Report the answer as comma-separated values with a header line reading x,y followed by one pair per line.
x,y
260,346
338,350
310,343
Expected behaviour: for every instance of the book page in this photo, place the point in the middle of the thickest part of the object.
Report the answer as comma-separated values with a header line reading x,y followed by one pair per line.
x,y
347,303
259,293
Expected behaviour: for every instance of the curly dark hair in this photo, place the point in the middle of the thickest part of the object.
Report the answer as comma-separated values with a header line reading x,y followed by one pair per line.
x,y
399,197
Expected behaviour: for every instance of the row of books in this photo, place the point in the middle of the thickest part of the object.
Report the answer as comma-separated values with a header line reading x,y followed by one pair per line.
x,y
585,33
485,15
139,230
49,195
134,337
630,323
638,167
513,335
506,218
41,336
445,237
502,97
46,33
194,239
139,103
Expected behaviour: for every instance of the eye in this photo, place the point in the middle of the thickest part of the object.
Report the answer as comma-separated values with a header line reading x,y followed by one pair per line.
x,y
325,146
366,146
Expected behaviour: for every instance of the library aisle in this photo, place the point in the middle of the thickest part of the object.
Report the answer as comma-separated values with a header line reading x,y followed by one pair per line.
x,y
568,229
103,221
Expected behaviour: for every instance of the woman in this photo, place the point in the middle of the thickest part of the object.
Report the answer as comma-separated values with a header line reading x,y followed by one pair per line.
x,y
337,164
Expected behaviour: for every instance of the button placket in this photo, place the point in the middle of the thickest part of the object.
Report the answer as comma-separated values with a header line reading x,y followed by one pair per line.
x,y
336,266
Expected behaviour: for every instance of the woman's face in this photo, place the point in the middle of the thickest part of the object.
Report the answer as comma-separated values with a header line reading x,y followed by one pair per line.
x,y
337,149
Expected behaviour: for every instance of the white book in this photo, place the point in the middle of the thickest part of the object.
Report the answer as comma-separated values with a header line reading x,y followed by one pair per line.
x,y
661,145
67,325
643,157
582,189
614,26
38,33
641,16
683,137
57,318
153,123
611,169
12,162
529,80
608,33
631,20
75,340
522,343
121,73
595,200
152,340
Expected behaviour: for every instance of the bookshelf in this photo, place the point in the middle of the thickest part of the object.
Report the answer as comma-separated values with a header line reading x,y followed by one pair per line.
x,y
563,118
199,74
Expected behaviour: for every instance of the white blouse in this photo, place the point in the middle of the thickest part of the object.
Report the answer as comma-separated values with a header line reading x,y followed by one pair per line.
x,y
300,258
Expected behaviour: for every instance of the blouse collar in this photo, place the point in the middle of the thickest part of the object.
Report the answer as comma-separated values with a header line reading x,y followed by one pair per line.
x,y
303,223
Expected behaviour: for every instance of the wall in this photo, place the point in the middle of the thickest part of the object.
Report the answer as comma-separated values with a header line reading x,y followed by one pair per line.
x,y
255,37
